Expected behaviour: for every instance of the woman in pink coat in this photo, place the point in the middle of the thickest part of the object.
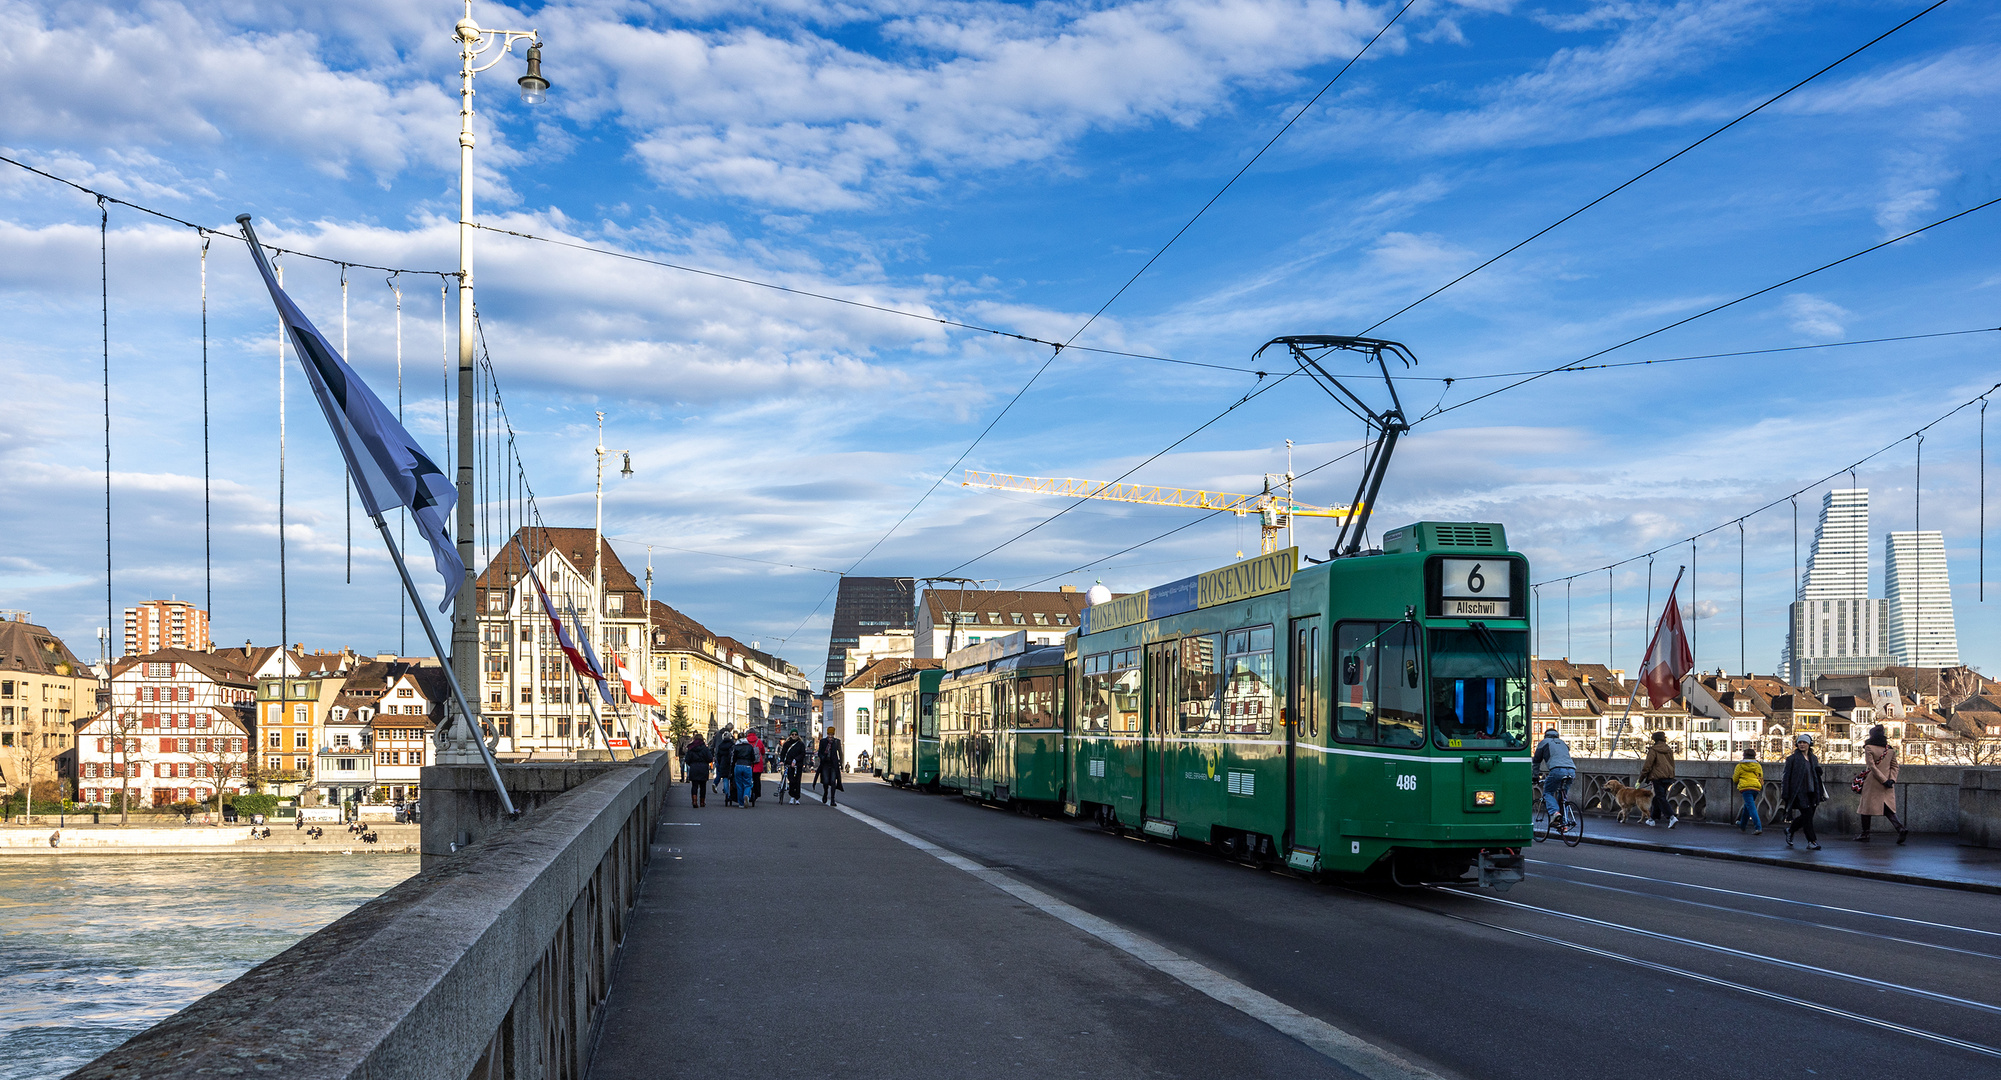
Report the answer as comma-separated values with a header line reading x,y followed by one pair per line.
x,y
1879,785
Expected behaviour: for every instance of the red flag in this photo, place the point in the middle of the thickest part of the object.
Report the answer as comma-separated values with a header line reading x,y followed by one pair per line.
x,y
637,693
1668,656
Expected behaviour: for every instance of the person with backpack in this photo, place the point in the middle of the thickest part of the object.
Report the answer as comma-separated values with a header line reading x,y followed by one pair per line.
x,y
725,751
1749,779
1658,770
743,754
695,757
1801,791
756,766
1879,783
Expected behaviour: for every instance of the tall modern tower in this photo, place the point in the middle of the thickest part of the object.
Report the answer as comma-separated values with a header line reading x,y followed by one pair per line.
x,y
1921,627
866,605
1836,628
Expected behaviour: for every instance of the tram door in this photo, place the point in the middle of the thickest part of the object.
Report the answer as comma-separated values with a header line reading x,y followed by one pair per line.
x,y
1162,675
1306,727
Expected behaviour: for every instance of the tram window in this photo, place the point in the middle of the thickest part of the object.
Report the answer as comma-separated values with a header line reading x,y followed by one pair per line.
x,y
1377,698
1125,681
1200,683
1249,696
1037,702
928,715
1479,688
1094,698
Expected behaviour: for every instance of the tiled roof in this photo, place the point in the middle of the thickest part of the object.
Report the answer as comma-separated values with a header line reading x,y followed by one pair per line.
x,y
31,648
1006,603
868,677
225,666
573,544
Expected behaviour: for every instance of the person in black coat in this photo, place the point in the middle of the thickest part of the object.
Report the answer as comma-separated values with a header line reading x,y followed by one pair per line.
x,y
695,757
1802,792
725,751
793,755
829,768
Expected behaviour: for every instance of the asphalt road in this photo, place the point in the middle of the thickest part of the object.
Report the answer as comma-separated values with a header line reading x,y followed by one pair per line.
x,y
1605,962
876,958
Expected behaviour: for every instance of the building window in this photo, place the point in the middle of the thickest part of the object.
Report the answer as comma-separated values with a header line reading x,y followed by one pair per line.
x,y
1062,619
277,740
684,663
298,740
614,603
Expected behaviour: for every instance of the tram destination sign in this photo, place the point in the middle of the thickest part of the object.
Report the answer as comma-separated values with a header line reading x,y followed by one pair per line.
x,y
1475,588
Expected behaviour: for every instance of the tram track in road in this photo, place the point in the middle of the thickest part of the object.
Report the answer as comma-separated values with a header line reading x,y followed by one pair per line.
x,y
1704,978
1776,918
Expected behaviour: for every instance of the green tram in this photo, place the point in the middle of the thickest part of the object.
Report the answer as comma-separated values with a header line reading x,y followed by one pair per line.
x,y
1362,713
906,728
1001,722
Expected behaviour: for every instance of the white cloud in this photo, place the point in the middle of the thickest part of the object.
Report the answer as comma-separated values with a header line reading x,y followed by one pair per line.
x,y
1815,317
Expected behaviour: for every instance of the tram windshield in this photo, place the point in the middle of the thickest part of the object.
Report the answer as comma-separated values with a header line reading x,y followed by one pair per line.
x,y
1479,688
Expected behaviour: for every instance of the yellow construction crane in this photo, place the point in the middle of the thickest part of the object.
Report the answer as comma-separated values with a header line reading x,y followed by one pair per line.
x,y
1275,509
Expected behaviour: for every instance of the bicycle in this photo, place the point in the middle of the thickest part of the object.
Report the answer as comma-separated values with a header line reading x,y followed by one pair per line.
x,y
1569,824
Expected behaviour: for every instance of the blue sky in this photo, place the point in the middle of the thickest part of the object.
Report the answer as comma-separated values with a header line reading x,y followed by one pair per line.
x,y
1009,166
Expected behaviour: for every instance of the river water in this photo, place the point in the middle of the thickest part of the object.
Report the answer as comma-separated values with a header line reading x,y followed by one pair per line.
x,y
95,949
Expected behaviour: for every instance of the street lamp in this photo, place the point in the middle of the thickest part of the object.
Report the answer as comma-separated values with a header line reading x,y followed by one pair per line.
x,y
597,541
455,747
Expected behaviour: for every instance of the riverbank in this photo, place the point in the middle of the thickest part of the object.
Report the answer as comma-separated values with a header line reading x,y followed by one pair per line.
x,y
87,840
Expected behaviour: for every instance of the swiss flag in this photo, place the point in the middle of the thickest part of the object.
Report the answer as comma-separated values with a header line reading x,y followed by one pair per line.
x,y
1668,656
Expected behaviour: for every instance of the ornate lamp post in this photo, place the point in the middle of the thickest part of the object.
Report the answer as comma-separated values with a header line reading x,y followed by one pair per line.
x,y
455,746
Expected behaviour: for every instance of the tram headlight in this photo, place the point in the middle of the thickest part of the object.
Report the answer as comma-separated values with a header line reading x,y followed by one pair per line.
x,y
1483,798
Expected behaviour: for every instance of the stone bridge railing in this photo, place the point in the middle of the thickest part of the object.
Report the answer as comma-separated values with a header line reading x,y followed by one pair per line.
x,y
493,962
1930,798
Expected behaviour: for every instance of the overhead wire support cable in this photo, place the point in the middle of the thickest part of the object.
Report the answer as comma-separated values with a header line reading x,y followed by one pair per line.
x,y
1269,143
1712,310
1760,107
104,286
103,197
1232,407
1793,496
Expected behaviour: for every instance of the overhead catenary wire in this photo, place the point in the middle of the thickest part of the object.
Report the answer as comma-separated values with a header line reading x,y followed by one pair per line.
x,y
1795,494
103,198
1657,166
1232,407
207,524
1711,310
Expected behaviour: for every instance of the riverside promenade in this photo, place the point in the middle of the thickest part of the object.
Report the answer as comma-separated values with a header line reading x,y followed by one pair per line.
x,y
87,839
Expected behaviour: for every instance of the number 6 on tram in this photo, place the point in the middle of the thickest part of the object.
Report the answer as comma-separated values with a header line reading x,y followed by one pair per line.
x,y
1366,713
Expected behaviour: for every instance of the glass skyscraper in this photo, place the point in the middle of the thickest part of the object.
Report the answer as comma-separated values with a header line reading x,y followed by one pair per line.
x,y
1920,598
866,605
1836,627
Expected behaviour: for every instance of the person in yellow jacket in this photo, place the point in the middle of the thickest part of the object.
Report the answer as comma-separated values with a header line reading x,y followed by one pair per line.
x,y
1749,776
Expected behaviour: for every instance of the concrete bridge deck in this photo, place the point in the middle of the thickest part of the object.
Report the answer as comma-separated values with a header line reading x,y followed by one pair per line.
x,y
921,935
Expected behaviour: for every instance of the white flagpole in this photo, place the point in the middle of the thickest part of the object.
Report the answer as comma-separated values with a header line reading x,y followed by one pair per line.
x,y
437,647
1619,737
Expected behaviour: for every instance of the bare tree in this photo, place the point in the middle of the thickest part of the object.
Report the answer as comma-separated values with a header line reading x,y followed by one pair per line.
x,y
34,752
126,756
224,753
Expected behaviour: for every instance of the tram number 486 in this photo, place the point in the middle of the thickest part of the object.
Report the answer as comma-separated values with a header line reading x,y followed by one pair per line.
x,y
1406,782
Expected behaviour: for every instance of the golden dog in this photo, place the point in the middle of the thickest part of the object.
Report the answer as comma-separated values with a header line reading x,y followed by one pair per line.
x,y
1628,799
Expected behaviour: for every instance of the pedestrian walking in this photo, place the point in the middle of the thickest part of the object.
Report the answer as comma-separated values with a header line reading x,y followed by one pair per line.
x,y
1749,779
793,755
1879,785
725,751
829,775
695,758
744,756
1802,792
756,767
1658,770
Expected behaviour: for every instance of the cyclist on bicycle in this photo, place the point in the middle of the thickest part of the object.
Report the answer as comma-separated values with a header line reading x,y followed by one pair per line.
x,y
1553,754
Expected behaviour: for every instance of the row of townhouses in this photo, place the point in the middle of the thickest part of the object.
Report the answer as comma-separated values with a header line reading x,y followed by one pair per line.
x,y
1932,716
